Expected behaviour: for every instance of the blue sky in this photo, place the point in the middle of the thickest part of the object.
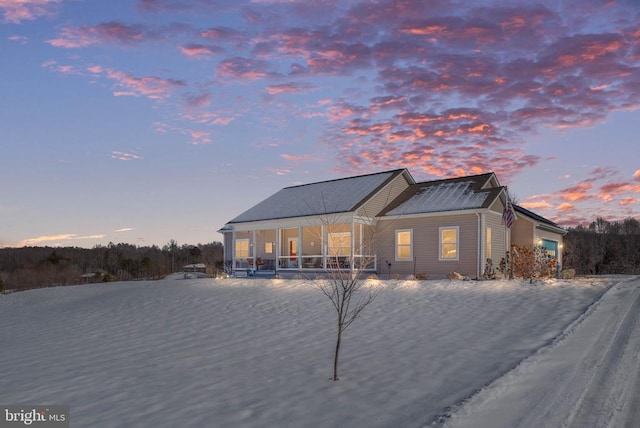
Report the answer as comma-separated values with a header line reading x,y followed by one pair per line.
x,y
145,121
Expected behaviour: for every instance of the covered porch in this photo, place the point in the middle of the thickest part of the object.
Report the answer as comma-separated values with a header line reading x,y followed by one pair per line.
x,y
309,247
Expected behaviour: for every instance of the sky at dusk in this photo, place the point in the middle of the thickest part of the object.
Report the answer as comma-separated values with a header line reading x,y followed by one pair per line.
x,y
151,120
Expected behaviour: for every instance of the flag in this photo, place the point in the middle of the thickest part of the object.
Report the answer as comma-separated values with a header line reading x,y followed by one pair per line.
x,y
508,215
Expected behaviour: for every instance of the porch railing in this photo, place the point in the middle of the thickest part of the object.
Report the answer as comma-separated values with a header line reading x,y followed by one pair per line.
x,y
360,262
317,262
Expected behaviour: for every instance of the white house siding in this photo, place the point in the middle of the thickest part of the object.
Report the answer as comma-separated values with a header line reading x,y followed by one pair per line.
x,y
311,234
228,246
426,245
388,193
262,237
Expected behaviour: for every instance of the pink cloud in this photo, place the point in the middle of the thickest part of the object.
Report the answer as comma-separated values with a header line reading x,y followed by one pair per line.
x,y
636,175
244,69
62,69
291,87
115,33
298,158
194,136
50,240
198,101
87,35
23,40
208,118
565,207
153,87
577,192
123,156
16,11
200,51
95,69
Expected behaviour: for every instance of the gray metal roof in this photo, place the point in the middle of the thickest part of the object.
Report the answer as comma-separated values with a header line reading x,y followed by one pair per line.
x,y
454,194
326,197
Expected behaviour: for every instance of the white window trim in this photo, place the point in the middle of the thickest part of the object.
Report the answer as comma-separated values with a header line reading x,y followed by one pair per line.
x,y
457,257
410,258
235,249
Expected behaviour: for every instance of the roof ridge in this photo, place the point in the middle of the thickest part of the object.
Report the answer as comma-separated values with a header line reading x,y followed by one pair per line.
x,y
346,178
461,178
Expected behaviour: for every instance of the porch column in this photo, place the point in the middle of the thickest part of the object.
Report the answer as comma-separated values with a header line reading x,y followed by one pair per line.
x,y
299,247
254,247
353,242
323,244
233,251
277,251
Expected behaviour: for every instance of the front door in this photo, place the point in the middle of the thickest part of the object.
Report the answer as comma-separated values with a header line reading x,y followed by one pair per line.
x,y
293,252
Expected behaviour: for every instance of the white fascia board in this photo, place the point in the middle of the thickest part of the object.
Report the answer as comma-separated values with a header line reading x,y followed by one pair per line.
x,y
369,221
316,220
435,214
550,228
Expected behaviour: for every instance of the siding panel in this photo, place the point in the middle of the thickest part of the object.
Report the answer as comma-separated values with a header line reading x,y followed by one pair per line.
x,y
378,202
426,246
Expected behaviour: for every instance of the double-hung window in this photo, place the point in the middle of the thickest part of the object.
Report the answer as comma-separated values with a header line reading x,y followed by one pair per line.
x,y
449,243
404,244
487,248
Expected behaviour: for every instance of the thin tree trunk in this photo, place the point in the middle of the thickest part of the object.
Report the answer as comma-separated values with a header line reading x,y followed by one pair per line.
x,y
335,359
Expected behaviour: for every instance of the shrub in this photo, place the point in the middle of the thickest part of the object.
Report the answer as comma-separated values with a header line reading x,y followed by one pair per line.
x,y
422,276
532,262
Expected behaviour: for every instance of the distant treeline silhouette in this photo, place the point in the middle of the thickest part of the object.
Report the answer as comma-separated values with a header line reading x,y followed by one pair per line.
x,y
34,267
603,247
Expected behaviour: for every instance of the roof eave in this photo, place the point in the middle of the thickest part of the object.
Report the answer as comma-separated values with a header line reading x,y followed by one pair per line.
x,y
478,210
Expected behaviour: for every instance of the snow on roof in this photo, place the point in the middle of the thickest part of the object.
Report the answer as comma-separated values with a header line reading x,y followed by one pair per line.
x,y
326,197
454,194
443,197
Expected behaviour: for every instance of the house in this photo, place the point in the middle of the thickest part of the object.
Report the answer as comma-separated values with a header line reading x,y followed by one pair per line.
x,y
195,267
385,223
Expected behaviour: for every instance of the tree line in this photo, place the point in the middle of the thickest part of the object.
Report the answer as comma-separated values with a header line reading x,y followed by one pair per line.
x,y
32,267
603,247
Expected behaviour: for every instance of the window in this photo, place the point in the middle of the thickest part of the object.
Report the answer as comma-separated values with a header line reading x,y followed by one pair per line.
x,y
242,248
487,248
449,243
268,247
339,244
404,244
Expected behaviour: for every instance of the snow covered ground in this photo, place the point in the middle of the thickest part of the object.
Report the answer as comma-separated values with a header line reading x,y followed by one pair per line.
x,y
258,353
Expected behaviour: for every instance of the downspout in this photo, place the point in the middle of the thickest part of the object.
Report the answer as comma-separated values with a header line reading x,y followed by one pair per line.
x,y
480,249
